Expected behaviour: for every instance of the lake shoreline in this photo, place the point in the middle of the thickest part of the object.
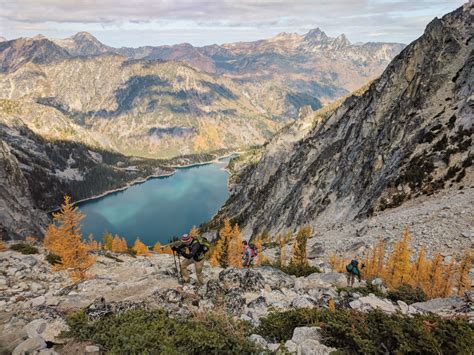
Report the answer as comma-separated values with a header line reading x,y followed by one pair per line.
x,y
152,176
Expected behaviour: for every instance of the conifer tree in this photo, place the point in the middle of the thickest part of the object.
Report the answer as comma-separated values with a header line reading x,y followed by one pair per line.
x,y
157,247
63,238
282,250
435,277
420,270
108,239
140,249
167,249
220,256
235,247
398,268
300,257
3,246
92,244
462,282
118,245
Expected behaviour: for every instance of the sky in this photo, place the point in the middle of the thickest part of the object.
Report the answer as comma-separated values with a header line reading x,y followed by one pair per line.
x,y
134,23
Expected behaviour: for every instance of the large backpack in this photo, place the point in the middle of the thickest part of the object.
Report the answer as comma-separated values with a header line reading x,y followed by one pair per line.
x,y
206,245
253,250
349,267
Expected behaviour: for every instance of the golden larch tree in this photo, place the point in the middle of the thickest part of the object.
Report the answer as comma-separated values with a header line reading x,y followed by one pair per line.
x,y
157,248
92,244
300,256
220,256
140,249
462,282
3,246
235,247
435,277
282,250
119,245
398,266
64,238
107,239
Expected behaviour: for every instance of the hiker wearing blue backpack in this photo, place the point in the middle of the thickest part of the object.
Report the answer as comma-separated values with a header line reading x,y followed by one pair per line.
x,y
353,271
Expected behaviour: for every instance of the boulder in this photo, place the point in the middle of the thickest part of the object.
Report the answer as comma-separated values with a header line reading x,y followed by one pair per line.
x,y
329,278
300,334
258,340
372,302
38,301
234,302
275,278
313,347
444,306
29,346
53,330
35,328
91,349
291,347
302,302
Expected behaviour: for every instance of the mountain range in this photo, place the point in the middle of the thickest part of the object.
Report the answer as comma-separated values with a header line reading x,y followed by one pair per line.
x,y
172,100
404,137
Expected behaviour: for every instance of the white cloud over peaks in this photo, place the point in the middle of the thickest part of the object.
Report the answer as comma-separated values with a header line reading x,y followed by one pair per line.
x,y
139,22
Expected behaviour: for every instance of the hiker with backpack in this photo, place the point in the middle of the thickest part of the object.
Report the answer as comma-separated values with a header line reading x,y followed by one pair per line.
x,y
249,254
352,271
193,249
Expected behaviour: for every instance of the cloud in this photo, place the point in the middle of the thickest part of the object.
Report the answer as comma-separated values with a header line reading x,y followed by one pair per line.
x,y
206,21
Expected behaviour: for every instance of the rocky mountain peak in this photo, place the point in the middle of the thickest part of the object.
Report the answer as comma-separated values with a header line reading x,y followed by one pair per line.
x,y
316,36
84,35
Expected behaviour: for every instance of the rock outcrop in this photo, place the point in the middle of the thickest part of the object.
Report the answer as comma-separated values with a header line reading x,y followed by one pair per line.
x,y
408,135
34,300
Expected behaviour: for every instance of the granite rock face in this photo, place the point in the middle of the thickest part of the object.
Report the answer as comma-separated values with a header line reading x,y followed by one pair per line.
x,y
409,134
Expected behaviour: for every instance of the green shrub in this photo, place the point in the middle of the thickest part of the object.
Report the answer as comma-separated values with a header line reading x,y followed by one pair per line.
x,y
24,248
53,259
375,332
292,269
407,294
141,331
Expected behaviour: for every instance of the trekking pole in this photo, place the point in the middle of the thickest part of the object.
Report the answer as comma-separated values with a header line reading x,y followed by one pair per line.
x,y
179,261
178,271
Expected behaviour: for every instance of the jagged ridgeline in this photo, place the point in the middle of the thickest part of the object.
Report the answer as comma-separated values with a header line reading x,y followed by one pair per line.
x,y
172,100
408,134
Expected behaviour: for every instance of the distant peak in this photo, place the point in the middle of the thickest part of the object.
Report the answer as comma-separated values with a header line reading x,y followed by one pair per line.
x,y
39,37
316,35
342,40
84,35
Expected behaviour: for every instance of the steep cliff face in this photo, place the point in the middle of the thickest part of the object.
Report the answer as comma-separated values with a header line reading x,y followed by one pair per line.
x,y
409,134
19,217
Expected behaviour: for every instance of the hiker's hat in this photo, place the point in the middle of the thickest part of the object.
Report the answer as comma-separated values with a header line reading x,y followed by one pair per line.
x,y
186,239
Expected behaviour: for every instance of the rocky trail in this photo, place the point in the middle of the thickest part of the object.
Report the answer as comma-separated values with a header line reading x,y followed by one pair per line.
x,y
34,300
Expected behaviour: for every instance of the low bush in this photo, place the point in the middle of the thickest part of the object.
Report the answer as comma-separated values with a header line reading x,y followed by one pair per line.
x,y
407,294
53,259
292,269
145,332
24,248
375,332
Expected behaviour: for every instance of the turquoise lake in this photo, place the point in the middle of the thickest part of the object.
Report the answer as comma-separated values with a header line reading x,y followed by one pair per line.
x,y
159,208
